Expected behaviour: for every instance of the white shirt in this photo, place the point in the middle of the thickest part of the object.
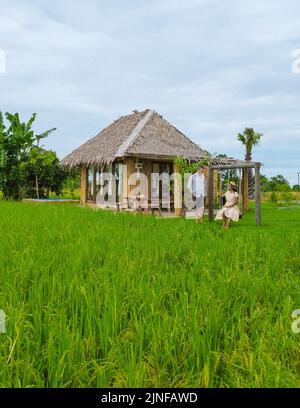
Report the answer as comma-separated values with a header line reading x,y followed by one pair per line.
x,y
197,185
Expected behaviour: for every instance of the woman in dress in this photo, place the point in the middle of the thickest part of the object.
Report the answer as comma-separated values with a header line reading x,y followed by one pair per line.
x,y
230,211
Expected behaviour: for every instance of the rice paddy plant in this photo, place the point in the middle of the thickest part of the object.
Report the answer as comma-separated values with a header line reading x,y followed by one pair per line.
x,y
98,299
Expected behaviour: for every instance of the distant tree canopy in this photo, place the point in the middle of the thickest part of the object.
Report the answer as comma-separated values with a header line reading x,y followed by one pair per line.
x,y
277,183
46,166
26,170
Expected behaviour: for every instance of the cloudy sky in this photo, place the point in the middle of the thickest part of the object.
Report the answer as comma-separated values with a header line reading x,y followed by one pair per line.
x,y
211,68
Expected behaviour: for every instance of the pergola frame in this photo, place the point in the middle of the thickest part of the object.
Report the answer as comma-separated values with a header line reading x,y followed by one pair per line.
x,y
245,167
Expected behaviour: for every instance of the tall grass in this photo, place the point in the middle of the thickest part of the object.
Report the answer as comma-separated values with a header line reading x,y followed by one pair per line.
x,y
97,299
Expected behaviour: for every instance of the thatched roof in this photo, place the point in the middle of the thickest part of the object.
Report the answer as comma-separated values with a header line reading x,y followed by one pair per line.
x,y
141,134
230,162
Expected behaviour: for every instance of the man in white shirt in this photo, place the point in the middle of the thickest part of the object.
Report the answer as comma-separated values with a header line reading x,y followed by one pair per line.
x,y
197,186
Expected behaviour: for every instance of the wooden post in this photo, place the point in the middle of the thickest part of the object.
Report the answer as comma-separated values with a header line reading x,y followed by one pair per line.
x,y
221,189
124,198
130,161
94,185
147,170
245,190
84,185
216,187
240,199
211,194
177,191
257,195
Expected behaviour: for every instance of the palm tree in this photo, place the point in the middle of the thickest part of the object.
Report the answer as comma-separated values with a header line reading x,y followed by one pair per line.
x,y
250,138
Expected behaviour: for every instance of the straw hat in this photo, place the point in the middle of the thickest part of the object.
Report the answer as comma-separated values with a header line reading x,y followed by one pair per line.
x,y
233,185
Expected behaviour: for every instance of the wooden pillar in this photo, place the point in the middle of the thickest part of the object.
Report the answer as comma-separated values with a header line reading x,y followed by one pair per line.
x,y
128,170
147,170
211,194
215,177
240,199
130,161
94,185
245,190
84,185
215,184
221,189
257,195
124,198
177,191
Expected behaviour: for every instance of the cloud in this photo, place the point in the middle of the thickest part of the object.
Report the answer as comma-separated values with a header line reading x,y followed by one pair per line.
x,y
211,68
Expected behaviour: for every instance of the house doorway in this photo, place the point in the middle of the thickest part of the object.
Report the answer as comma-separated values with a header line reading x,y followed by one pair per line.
x,y
162,186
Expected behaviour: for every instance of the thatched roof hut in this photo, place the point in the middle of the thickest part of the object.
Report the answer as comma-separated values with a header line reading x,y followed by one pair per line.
x,y
146,142
141,134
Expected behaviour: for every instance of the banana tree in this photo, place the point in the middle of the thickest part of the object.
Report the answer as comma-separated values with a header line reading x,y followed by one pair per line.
x,y
16,140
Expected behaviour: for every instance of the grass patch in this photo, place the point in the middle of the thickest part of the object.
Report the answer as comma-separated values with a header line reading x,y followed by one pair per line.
x,y
100,299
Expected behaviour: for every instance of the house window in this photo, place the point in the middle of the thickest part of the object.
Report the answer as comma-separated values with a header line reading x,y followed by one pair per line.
x,y
106,185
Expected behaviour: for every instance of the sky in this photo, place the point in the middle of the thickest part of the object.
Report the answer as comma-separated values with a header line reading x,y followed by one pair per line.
x,y
211,68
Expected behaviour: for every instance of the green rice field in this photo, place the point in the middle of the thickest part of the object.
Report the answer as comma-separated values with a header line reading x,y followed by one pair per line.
x,y
102,299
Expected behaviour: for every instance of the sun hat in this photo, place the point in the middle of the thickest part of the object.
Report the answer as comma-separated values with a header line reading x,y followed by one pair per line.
x,y
233,185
